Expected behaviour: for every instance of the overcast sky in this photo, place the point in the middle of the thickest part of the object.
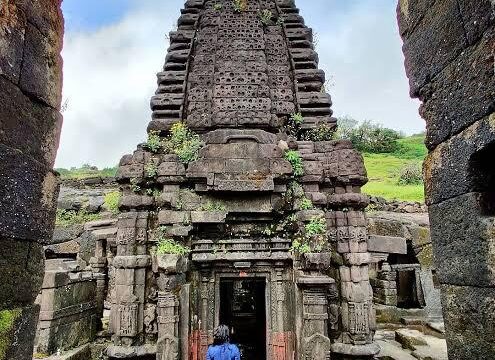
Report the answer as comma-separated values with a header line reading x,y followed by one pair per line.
x,y
114,48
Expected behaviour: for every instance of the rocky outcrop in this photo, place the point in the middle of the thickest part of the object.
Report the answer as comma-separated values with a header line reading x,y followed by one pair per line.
x,y
448,66
30,95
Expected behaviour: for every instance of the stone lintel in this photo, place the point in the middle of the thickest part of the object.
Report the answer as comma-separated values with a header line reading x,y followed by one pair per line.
x,y
387,244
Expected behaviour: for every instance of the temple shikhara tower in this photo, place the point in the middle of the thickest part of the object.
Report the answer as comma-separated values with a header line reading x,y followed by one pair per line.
x,y
240,209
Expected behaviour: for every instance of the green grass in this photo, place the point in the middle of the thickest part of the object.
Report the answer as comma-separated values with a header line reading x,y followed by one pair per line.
x,y
85,172
383,171
412,147
71,217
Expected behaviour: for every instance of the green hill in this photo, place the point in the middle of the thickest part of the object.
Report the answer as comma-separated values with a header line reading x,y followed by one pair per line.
x,y
383,170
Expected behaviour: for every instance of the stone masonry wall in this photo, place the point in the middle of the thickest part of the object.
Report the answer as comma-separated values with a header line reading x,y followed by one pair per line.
x,y
449,47
30,121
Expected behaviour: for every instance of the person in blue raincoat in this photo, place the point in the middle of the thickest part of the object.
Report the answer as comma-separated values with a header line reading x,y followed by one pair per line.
x,y
222,349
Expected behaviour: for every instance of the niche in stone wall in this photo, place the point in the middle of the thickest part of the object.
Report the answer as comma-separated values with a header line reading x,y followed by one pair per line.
x,y
482,177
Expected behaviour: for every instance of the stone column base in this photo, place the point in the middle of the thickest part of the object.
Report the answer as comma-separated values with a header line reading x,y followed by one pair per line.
x,y
347,351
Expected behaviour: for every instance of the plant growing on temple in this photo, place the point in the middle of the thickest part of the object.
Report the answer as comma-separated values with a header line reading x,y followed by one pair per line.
x,y
322,133
312,238
213,206
306,204
239,5
184,143
151,170
316,226
154,142
134,185
166,245
112,200
280,21
297,118
217,7
293,125
265,17
300,247
295,160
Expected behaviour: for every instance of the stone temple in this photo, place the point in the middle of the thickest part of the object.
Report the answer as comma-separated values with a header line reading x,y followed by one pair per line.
x,y
240,208
273,220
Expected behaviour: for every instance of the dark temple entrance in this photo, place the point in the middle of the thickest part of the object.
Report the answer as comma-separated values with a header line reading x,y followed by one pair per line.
x,y
243,309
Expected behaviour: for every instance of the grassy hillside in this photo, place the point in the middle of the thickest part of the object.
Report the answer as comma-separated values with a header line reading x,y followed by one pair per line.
x,y
85,172
383,171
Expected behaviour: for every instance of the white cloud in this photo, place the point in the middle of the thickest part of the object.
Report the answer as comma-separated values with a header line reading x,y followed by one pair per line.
x,y
361,51
109,75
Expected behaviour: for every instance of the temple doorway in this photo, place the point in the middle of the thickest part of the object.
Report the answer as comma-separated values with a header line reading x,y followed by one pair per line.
x,y
243,309
407,290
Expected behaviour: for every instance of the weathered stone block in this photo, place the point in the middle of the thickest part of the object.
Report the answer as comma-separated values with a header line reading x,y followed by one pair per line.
x,y
13,20
18,332
445,43
170,263
30,127
447,169
21,266
205,217
29,192
475,89
63,234
41,73
387,244
477,17
464,242
136,201
469,314
168,217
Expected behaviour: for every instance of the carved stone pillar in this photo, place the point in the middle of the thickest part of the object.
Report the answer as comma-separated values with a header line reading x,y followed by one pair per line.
x,y
100,273
201,338
315,342
130,266
168,327
357,311
281,338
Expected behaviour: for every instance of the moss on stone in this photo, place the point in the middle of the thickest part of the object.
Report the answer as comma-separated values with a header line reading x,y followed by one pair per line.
x,y
7,322
425,257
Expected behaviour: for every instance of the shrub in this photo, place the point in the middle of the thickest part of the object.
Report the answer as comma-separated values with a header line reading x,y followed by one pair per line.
x,y
150,169
265,17
295,160
112,200
169,246
135,187
184,143
297,118
239,5
213,206
306,204
166,245
368,137
154,142
410,174
316,226
72,217
217,7
300,247
322,133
